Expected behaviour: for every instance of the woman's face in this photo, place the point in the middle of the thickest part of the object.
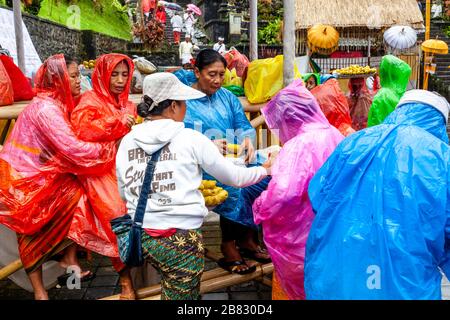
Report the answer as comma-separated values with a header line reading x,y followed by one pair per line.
x,y
311,83
210,79
74,79
119,78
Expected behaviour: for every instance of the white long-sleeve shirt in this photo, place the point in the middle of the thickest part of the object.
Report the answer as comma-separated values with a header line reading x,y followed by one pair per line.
x,y
177,23
177,202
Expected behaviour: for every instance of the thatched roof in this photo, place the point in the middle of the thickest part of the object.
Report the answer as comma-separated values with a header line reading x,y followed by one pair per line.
x,y
374,14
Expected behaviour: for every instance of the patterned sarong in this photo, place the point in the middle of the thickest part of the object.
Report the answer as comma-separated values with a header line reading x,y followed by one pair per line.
x,y
180,260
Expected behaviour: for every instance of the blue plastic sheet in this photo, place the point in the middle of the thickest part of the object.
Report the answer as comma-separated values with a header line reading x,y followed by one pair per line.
x,y
186,76
382,225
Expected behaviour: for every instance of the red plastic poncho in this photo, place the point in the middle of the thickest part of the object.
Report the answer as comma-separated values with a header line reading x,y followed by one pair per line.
x,y
6,88
359,100
42,153
100,117
21,86
334,105
284,209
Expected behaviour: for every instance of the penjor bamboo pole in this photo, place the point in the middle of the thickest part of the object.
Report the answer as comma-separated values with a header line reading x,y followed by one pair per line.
x,y
10,269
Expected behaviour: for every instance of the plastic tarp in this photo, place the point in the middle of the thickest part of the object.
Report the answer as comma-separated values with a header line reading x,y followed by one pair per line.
x,y
20,84
382,225
334,105
42,153
232,79
99,117
238,61
265,79
359,100
284,209
186,76
6,88
394,77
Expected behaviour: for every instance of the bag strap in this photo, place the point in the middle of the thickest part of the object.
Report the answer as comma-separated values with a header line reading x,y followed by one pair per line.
x,y
146,187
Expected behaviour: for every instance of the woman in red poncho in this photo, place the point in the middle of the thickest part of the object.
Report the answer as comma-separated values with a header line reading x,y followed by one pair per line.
x,y
39,190
105,115
334,105
359,100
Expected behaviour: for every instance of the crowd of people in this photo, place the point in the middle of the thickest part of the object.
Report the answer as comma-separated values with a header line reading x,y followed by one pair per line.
x,y
354,206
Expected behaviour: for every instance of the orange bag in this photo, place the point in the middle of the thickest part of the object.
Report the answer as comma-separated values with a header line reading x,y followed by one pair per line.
x,y
238,61
6,88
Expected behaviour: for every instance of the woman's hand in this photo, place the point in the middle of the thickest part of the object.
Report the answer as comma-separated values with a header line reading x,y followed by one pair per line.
x,y
221,144
269,162
131,121
247,147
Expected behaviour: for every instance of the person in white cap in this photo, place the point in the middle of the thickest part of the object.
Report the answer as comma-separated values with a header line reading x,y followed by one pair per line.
x,y
175,209
220,46
382,204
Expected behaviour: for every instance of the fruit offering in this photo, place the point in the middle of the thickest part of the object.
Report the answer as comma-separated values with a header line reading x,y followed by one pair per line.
x,y
356,70
213,194
89,64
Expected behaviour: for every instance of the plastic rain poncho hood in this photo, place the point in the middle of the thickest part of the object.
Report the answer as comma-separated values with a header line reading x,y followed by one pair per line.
x,y
394,75
382,225
284,209
42,154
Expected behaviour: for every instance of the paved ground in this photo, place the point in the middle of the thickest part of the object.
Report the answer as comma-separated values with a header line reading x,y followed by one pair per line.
x,y
106,282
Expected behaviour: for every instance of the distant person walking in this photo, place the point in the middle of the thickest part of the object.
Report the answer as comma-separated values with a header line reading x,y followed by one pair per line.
x,y
189,21
220,46
177,26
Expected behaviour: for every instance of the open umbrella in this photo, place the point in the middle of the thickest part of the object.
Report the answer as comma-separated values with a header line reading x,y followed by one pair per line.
x,y
400,37
435,46
323,39
171,5
194,9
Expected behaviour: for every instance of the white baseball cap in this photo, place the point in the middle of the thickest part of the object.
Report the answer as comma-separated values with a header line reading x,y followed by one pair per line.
x,y
162,86
221,39
432,99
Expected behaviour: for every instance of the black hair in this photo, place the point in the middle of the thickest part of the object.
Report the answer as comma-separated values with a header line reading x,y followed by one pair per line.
x,y
70,60
207,57
144,106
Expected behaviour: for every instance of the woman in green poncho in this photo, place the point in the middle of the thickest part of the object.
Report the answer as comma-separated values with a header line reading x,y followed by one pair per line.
x,y
311,80
394,75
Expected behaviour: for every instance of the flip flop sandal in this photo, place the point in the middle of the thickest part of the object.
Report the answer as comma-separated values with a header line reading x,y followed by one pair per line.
x,y
253,254
233,266
62,280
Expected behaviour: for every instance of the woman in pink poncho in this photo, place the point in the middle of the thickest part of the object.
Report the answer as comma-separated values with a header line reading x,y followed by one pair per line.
x,y
284,209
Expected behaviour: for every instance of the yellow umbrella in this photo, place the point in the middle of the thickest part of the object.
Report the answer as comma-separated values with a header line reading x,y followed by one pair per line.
x,y
435,46
323,39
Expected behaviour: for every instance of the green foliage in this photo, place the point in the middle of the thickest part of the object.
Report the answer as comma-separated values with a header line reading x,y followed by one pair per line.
x,y
99,15
447,31
270,10
34,7
271,34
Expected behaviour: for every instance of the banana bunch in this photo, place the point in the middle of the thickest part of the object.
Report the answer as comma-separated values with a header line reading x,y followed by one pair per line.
x,y
213,194
89,64
355,70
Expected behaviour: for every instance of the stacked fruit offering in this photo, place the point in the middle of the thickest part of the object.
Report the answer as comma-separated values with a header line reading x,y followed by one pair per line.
x,y
213,194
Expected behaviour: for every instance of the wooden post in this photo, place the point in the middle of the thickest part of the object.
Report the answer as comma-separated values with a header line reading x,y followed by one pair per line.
x,y
19,35
253,30
427,37
288,41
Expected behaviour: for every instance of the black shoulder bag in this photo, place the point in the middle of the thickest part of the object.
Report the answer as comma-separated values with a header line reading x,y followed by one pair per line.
x,y
129,231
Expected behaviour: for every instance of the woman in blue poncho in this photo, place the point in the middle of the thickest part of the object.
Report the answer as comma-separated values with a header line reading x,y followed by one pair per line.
x,y
220,116
382,205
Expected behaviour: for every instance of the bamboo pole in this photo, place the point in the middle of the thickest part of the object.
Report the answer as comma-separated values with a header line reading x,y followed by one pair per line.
x,y
19,35
10,269
427,37
288,41
228,280
254,30
156,289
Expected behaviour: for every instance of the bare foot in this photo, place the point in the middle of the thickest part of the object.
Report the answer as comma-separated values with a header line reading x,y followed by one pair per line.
x,y
41,295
